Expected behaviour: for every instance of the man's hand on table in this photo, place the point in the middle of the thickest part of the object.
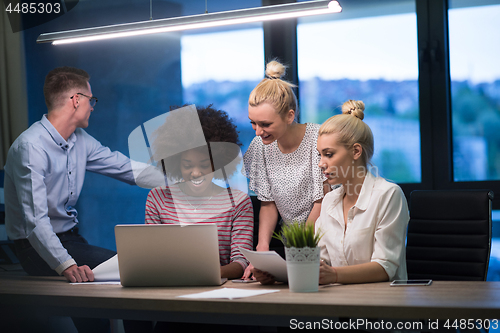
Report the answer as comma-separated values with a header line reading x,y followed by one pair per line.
x,y
76,273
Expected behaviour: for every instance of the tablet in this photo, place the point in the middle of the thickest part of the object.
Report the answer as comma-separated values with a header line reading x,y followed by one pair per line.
x,y
424,282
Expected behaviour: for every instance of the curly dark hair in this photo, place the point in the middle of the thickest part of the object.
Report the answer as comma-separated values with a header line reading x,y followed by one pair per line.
x,y
221,138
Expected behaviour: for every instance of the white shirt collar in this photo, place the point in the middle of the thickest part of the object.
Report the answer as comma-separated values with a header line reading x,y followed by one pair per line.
x,y
363,198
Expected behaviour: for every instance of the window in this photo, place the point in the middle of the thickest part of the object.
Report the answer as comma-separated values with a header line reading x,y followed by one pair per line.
x,y
222,68
373,59
474,33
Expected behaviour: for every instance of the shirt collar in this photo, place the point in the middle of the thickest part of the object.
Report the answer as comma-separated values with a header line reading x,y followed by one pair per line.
x,y
366,192
338,193
363,198
58,139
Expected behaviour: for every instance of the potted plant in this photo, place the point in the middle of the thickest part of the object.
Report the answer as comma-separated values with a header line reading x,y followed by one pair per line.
x,y
302,256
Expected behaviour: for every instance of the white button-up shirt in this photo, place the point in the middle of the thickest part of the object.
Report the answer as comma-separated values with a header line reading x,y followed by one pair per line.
x,y
375,229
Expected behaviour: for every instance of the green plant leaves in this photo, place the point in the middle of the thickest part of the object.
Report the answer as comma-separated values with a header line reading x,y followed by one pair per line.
x,y
298,235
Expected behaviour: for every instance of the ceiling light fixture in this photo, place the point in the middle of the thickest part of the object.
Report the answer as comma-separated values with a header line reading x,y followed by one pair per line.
x,y
232,17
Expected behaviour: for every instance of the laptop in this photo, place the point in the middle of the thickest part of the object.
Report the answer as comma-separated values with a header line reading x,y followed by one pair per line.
x,y
168,255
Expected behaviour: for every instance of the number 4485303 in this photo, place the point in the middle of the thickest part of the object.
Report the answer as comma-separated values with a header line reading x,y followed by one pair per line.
x,y
463,324
34,8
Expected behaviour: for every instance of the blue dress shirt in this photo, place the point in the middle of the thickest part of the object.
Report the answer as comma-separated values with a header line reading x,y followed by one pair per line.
x,y
44,176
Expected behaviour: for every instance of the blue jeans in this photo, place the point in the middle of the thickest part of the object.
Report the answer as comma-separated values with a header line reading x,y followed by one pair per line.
x,y
83,253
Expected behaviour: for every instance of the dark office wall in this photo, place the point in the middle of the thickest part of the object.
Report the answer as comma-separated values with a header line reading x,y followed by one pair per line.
x,y
135,79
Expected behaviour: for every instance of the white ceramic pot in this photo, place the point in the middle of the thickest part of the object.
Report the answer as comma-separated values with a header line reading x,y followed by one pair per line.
x,y
302,266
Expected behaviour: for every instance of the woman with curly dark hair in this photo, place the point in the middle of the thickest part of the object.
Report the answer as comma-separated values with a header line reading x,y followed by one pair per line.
x,y
191,161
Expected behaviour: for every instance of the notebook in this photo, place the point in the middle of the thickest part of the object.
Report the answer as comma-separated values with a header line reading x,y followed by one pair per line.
x,y
168,255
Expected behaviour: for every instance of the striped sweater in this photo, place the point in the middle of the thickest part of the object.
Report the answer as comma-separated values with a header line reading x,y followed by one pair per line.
x,y
231,210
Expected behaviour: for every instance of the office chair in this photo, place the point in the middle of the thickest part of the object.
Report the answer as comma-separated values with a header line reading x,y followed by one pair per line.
x,y
449,235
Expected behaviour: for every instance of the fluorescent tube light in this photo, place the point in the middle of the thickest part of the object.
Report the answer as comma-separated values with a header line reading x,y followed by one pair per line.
x,y
250,15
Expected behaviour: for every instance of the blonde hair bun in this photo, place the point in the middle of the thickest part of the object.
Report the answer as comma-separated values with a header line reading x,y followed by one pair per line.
x,y
275,70
355,108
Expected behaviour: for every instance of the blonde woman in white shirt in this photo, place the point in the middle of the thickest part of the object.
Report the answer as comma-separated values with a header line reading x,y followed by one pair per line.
x,y
364,219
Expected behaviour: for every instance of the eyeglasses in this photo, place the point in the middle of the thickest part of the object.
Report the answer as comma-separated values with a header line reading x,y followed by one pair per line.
x,y
92,100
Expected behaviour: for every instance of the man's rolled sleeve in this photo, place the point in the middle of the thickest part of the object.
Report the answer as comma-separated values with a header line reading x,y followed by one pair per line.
x,y
65,265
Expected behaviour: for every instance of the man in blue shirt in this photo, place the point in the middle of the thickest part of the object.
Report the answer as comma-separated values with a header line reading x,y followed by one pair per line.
x,y
44,176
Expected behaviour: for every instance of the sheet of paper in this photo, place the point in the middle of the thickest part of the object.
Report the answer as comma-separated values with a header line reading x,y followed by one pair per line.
x,y
267,261
229,293
107,271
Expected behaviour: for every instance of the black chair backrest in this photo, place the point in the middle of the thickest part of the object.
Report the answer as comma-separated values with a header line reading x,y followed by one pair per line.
x,y
449,235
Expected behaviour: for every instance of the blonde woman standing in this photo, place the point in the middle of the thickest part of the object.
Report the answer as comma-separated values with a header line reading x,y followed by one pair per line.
x,y
281,161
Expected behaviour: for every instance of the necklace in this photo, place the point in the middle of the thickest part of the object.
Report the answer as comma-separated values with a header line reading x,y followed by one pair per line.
x,y
196,207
